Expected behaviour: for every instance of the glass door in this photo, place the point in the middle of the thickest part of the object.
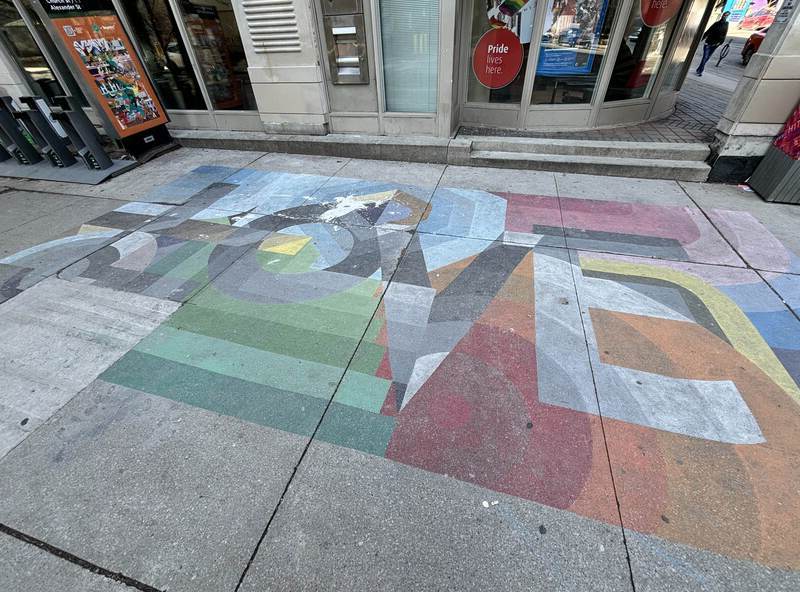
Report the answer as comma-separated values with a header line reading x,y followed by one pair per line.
x,y
563,44
500,35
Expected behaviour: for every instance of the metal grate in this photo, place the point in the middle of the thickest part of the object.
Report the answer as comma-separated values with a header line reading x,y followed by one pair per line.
x,y
272,25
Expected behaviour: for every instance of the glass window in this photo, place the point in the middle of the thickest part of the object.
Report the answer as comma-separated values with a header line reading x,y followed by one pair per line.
x,y
410,43
514,15
164,54
214,36
574,42
23,49
640,55
673,80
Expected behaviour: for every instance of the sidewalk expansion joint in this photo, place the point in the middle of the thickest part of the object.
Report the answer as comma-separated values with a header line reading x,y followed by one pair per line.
x,y
600,415
327,406
74,559
758,272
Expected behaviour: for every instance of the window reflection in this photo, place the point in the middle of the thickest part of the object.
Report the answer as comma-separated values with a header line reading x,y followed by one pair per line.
x,y
164,54
640,55
574,42
515,15
26,53
214,36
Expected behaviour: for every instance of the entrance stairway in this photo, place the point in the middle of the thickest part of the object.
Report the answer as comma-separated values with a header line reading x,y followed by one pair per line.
x,y
651,160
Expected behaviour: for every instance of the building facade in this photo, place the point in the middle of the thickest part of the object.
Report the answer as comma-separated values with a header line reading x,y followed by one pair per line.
x,y
414,67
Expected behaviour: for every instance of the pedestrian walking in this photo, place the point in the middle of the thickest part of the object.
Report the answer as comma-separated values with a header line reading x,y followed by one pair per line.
x,y
714,37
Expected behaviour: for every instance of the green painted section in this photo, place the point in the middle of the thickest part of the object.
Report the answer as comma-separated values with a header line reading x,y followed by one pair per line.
x,y
283,263
367,358
193,267
316,346
345,314
375,326
238,361
260,404
164,265
355,428
362,391
360,300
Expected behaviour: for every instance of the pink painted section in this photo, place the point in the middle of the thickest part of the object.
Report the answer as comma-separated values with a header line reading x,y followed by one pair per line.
x,y
643,219
759,247
710,247
523,211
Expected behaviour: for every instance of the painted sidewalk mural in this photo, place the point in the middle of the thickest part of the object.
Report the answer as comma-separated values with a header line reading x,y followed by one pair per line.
x,y
502,339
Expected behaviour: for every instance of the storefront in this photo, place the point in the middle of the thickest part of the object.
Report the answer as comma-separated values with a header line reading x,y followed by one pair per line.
x,y
391,67
192,53
585,63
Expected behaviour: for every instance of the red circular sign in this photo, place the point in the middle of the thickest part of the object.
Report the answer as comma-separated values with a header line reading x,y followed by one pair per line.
x,y
657,12
497,58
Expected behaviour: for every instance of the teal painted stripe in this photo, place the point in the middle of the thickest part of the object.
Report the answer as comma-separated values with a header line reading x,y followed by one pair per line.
x,y
355,428
243,362
317,346
246,400
362,391
171,260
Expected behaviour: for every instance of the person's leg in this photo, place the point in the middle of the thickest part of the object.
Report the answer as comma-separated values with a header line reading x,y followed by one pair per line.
x,y
708,50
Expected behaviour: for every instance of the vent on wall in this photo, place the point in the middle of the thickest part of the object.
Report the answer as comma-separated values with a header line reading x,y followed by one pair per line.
x,y
272,25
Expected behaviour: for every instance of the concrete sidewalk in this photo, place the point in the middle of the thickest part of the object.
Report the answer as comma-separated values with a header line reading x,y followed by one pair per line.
x,y
243,371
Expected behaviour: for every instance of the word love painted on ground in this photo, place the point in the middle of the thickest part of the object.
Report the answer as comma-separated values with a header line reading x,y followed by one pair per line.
x,y
515,342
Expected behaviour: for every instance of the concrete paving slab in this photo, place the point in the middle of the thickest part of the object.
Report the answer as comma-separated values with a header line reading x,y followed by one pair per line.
x,y
48,244
168,494
364,202
659,565
516,218
55,338
308,164
787,286
26,567
650,191
491,179
14,279
678,233
137,183
19,207
448,378
351,521
269,339
266,199
171,258
54,225
408,173
697,380
764,234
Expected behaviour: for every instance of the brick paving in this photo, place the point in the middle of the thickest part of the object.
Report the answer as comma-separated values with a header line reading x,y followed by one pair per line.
x,y
697,112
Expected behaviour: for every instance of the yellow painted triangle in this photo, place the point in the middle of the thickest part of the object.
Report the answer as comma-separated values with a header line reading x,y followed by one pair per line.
x,y
91,228
285,244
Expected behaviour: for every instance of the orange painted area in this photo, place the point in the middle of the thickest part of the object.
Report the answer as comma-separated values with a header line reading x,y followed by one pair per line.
x,y
739,500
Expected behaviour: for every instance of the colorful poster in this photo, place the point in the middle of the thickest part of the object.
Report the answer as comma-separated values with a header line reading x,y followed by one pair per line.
x,y
103,52
788,141
571,36
737,8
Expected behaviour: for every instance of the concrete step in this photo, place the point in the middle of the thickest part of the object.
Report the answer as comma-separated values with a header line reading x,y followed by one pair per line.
x,y
694,151
655,168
